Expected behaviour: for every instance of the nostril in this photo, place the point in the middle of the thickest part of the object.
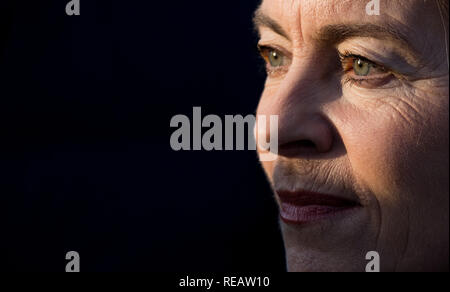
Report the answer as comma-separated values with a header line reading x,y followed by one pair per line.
x,y
305,144
298,147
301,144
305,134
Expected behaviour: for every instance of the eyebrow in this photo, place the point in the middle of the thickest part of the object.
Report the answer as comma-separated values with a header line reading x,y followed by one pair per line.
x,y
261,19
337,33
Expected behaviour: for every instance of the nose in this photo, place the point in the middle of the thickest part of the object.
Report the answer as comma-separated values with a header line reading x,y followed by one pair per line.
x,y
304,133
303,126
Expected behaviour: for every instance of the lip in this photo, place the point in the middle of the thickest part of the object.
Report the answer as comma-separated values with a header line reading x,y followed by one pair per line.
x,y
301,207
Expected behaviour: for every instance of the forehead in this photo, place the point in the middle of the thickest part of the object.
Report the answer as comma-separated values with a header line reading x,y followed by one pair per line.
x,y
297,17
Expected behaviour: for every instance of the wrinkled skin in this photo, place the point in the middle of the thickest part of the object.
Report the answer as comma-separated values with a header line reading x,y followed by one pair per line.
x,y
387,142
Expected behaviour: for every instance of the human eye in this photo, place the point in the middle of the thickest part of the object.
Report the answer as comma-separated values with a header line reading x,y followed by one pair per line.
x,y
361,71
277,62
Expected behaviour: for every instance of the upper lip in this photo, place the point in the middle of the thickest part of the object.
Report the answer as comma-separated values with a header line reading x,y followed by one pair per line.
x,y
304,184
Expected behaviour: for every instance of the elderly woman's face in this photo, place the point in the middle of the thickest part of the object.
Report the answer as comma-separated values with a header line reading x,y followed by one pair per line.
x,y
363,132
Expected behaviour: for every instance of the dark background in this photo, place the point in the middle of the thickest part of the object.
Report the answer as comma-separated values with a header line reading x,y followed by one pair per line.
x,y
85,160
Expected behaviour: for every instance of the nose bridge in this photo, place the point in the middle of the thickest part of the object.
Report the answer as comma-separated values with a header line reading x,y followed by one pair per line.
x,y
299,88
298,102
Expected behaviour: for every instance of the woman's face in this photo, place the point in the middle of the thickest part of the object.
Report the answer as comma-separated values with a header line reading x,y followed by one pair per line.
x,y
363,106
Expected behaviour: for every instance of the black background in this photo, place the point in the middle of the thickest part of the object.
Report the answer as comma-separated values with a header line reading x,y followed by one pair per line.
x,y
85,161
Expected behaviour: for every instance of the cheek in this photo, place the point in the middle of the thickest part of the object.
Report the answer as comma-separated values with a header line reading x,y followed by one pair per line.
x,y
390,148
374,150
401,156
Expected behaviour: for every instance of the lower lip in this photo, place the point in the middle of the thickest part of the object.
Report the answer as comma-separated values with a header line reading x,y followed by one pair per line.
x,y
294,213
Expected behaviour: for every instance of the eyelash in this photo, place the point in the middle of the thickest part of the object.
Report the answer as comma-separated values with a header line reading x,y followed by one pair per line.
x,y
346,60
272,71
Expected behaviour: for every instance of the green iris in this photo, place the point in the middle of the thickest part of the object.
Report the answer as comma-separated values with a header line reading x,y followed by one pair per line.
x,y
361,67
275,59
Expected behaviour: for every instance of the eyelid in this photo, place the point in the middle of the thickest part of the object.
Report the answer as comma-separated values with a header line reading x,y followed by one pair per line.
x,y
349,56
347,59
286,53
377,80
275,72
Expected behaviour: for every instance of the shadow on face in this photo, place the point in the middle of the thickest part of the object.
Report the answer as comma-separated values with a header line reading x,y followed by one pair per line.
x,y
362,101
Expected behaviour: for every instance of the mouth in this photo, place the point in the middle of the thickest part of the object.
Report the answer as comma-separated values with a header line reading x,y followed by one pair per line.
x,y
301,207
